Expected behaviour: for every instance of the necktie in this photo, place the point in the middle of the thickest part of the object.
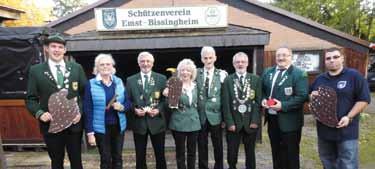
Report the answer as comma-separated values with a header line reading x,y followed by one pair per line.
x,y
241,81
242,86
207,84
60,76
278,78
145,86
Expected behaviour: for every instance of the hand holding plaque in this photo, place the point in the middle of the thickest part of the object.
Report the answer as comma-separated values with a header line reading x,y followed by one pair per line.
x,y
323,106
174,91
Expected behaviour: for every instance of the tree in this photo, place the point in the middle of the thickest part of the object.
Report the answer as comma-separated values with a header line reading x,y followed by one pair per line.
x,y
354,17
65,7
33,15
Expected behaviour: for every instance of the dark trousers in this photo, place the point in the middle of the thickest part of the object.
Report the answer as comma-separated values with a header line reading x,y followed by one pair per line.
x,y
190,140
233,141
217,142
110,147
56,144
284,145
157,141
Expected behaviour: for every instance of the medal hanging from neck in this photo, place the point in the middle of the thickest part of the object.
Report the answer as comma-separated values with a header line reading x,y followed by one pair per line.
x,y
245,95
66,80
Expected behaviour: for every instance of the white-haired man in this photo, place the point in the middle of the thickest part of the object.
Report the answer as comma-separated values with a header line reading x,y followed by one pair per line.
x,y
144,90
241,107
209,82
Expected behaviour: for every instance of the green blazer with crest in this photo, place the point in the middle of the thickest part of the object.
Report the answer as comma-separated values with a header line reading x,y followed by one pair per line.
x,y
209,108
186,117
230,108
41,85
138,98
292,91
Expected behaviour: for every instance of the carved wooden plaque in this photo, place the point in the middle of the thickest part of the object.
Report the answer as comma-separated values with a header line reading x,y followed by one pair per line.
x,y
175,90
63,111
323,106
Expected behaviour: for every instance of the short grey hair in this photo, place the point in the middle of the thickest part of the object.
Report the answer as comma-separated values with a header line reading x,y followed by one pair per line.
x,y
99,58
190,64
207,49
144,54
240,54
285,47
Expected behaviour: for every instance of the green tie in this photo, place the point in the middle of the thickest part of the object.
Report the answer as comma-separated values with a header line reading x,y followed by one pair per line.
x,y
145,87
241,81
60,76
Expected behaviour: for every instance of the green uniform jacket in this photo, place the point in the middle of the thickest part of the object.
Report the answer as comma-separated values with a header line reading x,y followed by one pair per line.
x,y
209,108
41,85
138,98
186,117
292,91
230,109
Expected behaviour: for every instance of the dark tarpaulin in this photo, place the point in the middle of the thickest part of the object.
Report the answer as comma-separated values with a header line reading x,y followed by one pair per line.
x,y
20,48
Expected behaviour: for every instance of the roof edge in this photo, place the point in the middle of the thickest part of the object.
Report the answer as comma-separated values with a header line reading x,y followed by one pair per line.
x,y
8,8
76,13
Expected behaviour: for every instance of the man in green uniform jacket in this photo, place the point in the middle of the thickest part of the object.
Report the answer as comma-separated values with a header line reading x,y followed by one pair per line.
x,y
46,79
242,94
285,89
209,82
147,118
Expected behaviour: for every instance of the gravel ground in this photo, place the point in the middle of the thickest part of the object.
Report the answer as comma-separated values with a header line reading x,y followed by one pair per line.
x,y
39,160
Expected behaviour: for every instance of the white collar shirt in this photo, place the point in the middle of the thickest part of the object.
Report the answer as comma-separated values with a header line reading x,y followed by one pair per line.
x,y
143,77
53,68
210,76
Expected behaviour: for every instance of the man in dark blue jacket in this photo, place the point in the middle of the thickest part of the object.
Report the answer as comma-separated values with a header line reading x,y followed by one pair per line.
x,y
338,146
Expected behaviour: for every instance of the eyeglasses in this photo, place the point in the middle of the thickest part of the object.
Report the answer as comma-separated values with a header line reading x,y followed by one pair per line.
x,y
105,64
282,55
333,57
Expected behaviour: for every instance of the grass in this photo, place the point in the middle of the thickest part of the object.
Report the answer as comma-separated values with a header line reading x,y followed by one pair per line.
x,y
310,158
309,149
367,140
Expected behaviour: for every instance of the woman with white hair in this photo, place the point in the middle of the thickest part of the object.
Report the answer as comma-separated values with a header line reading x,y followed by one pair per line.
x,y
104,105
184,122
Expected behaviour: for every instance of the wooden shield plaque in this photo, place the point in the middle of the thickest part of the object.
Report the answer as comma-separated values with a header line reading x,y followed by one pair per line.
x,y
175,90
63,111
323,106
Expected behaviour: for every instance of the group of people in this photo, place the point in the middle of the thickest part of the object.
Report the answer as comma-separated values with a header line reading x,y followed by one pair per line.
x,y
211,103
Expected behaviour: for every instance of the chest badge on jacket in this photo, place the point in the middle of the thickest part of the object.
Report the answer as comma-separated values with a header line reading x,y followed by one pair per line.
x,y
75,86
341,84
288,91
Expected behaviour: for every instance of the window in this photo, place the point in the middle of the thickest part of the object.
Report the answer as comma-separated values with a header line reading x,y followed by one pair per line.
x,y
308,61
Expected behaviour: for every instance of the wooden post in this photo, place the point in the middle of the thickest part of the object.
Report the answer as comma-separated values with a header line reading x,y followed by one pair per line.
x,y
3,164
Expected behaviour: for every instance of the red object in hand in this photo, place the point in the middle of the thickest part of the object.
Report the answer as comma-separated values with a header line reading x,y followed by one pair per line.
x,y
271,102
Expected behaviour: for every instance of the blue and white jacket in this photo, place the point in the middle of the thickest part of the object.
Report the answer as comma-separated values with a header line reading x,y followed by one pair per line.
x,y
94,106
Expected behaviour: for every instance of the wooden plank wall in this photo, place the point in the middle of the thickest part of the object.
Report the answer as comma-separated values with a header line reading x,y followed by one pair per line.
x,y
17,126
356,60
353,59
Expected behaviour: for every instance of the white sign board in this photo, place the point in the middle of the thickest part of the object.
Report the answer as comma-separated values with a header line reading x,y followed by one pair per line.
x,y
111,19
307,61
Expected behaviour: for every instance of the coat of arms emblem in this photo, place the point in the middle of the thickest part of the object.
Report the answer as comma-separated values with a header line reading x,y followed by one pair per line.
x,y
109,18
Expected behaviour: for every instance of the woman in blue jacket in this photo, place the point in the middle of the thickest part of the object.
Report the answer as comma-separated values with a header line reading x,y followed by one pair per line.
x,y
105,104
